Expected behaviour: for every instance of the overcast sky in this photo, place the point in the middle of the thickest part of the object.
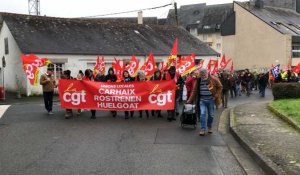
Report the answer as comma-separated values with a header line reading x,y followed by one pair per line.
x,y
83,8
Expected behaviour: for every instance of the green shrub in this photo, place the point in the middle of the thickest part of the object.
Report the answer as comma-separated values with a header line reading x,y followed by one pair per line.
x,y
286,90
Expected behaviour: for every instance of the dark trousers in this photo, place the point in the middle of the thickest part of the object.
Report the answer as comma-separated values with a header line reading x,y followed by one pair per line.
x,y
93,112
127,113
48,100
141,113
157,112
233,91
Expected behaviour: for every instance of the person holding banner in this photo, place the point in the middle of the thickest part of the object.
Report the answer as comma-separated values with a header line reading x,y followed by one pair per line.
x,y
171,75
206,92
88,76
127,78
67,75
48,82
111,77
156,77
142,77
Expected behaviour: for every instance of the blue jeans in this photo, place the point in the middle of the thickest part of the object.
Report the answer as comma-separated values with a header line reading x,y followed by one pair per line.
x,y
206,105
262,90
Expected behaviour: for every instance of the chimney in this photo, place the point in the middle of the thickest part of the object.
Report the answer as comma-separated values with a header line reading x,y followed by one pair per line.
x,y
140,17
259,4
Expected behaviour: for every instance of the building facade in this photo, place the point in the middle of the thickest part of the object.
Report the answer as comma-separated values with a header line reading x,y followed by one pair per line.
x,y
257,36
203,21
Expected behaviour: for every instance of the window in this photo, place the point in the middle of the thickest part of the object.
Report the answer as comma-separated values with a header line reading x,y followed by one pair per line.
x,y
6,45
206,27
218,45
58,70
295,50
205,37
194,31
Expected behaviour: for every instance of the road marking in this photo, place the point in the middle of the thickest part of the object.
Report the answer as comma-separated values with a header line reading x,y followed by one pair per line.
x,y
3,108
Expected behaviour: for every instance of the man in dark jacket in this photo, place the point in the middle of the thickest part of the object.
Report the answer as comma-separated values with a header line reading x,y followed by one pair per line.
x,y
263,80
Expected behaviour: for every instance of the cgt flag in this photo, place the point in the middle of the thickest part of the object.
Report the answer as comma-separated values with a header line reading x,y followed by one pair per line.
x,y
149,66
31,64
146,95
99,66
133,66
276,71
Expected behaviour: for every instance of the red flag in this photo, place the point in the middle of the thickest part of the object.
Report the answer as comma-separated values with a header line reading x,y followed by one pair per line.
x,y
32,73
99,66
208,66
185,66
200,64
34,60
133,66
215,70
193,56
31,64
149,66
223,62
174,49
118,70
172,58
296,69
231,68
163,66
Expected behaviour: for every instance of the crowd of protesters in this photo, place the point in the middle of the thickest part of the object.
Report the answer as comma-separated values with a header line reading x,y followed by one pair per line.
x,y
209,91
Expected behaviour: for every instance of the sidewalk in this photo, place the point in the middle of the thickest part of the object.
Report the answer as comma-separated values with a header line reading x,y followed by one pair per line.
x,y
270,141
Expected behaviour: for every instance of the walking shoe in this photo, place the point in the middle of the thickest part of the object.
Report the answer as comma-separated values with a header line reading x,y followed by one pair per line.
x,y
210,130
50,113
93,117
126,117
202,132
67,115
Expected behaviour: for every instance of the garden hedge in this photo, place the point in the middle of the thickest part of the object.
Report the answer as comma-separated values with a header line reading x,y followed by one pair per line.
x,y
286,90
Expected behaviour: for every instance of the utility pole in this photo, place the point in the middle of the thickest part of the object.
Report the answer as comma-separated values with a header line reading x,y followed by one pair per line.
x,y
176,14
34,7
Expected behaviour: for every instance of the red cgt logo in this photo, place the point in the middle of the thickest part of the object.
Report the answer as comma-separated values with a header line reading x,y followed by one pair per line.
x,y
74,96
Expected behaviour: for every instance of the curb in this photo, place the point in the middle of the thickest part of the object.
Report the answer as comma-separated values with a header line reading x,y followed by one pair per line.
x,y
284,117
266,164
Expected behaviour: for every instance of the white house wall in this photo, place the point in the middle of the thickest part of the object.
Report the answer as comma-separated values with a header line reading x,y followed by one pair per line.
x,y
13,69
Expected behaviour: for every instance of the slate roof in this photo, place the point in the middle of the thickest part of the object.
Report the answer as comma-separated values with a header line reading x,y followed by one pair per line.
x,y
284,20
48,35
146,20
200,15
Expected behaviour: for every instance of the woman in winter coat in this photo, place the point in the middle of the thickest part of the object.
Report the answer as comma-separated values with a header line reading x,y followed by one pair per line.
x,y
111,77
142,77
127,78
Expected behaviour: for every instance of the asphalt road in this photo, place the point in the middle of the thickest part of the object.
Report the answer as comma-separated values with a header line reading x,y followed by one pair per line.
x,y
35,143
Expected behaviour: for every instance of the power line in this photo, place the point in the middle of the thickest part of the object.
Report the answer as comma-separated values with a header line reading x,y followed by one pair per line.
x,y
117,13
